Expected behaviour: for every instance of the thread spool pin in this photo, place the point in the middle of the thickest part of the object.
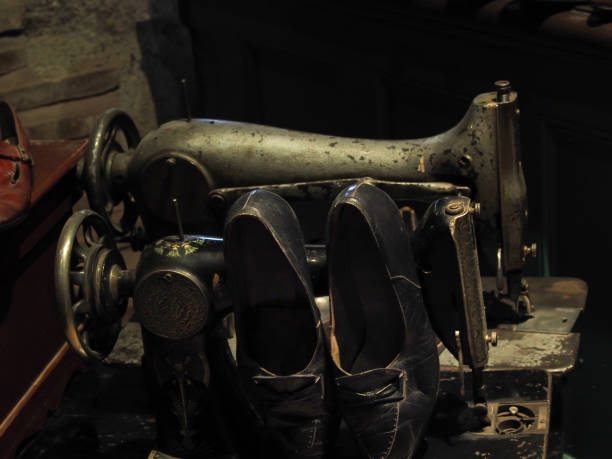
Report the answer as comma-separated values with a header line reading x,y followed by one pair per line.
x,y
175,204
186,97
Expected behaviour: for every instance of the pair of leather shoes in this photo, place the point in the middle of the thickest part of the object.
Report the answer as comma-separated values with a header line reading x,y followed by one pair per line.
x,y
376,365
15,168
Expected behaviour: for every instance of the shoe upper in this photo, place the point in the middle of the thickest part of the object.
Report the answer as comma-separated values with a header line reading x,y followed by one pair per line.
x,y
382,344
15,168
281,353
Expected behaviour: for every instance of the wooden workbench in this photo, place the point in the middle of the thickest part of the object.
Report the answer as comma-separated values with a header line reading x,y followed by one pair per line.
x,y
35,360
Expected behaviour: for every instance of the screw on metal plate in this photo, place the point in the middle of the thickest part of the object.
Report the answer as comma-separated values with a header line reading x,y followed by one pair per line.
x,y
530,250
524,304
454,208
503,90
475,209
217,200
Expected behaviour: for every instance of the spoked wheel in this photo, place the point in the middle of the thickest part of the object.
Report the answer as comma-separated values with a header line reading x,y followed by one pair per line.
x,y
105,185
87,275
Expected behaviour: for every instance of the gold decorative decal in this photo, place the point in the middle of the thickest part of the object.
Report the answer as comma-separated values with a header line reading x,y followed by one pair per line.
x,y
174,247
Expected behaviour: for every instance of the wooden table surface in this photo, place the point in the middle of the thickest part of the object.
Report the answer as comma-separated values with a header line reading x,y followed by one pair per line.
x,y
35,360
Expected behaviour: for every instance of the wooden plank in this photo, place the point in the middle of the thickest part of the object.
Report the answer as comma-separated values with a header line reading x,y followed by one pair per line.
x,y
12,13
26,89
53,159
67,120
12,54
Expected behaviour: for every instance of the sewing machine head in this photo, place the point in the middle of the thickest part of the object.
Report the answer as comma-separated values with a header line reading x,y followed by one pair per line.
x,y
207,164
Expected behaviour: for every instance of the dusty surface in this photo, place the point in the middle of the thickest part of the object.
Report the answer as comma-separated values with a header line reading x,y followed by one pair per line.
x,y
528,350
129,348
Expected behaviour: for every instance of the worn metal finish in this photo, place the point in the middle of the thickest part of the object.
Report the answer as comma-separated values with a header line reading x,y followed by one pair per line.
x,y
173,283
445,246
559,299
480,153
172,292
547,320
174,177
207,164
567,292
172,304
512,188
518,350
89,305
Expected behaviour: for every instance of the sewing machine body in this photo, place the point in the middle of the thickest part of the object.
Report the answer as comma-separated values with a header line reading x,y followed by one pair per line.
x,y
207,164
479,158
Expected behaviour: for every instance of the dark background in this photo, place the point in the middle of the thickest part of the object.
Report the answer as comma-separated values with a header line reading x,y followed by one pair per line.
x,y
385,69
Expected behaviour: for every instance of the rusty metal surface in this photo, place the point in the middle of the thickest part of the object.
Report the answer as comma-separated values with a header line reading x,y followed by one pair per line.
x,y
558,302
520,350
547,320
237,155
558,291
568,292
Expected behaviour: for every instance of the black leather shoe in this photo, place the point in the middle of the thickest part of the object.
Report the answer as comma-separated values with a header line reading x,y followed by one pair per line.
x,y
281,353
385,360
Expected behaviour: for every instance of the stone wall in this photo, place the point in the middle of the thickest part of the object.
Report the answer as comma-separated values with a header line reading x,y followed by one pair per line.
x,y
63,62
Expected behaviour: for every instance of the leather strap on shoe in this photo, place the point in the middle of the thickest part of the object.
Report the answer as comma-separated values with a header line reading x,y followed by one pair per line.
x,y
384,385
23,157
288,400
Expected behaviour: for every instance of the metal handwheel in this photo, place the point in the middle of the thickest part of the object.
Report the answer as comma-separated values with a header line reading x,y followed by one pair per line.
x,y
87,278
104,150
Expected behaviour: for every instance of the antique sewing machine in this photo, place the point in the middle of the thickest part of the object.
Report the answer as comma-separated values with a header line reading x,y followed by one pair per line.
x,y
463,197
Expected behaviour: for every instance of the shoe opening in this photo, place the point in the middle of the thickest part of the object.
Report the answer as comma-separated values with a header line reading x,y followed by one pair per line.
x,y
8,131
276,324
368,322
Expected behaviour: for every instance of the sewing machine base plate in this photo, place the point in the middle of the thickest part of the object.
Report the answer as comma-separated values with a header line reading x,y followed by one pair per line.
x,y
525,419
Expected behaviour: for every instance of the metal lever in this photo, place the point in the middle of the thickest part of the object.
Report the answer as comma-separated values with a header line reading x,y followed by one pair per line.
x,y
460,357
